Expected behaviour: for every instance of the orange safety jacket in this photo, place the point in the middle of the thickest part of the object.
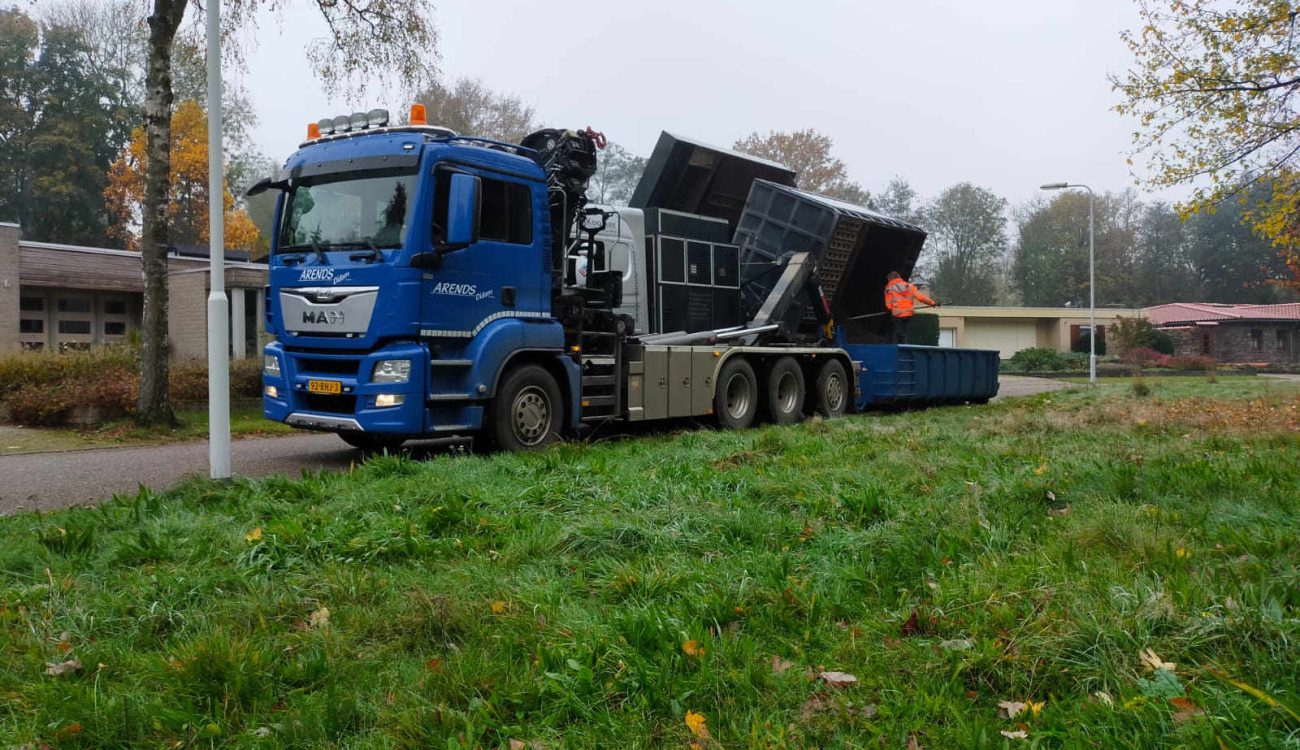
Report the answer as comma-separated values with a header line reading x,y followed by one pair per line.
x,y
900,296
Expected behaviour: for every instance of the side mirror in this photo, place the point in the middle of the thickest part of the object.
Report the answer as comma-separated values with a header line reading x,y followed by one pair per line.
x,y
462,212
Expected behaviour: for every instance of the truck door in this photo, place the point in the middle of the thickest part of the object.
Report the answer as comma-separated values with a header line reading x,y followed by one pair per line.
x,y
497,276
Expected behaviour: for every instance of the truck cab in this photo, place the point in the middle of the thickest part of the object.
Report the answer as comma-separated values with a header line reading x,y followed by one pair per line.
x,y
406,266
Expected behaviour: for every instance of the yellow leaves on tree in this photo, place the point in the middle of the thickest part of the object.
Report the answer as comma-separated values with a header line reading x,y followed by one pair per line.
x,y
187,193
1211,90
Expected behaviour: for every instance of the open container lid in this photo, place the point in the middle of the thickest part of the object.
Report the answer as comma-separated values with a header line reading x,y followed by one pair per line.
x,y
695,178
854,248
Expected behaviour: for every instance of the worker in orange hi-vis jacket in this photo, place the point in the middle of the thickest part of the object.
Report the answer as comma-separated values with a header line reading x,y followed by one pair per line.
x,y
900,299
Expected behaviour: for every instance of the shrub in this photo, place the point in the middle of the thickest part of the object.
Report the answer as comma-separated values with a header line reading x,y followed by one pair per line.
x,y
1039,359
1201,362
1145,358
43,389
1081,346
1140,388
1130,333
1163,343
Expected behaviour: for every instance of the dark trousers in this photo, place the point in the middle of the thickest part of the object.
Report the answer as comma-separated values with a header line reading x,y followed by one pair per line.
x,y
898,330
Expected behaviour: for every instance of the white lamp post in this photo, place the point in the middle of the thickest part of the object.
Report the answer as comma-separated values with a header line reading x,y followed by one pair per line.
x,y
218,305
1092,281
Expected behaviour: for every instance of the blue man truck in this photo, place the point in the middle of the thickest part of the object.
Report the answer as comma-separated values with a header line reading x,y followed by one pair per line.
x,y
425,283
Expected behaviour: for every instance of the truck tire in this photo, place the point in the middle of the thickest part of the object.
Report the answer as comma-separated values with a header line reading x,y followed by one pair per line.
x,y
830,396
371,443
528,412
735,402
785,391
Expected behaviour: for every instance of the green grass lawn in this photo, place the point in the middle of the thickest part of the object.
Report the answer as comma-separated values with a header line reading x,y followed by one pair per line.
x,y
646,592
245,421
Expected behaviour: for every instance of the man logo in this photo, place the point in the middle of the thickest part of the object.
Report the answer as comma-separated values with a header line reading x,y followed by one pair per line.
x,y
326,317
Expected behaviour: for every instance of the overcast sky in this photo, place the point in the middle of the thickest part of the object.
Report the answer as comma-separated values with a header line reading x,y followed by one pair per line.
x,y
1006,94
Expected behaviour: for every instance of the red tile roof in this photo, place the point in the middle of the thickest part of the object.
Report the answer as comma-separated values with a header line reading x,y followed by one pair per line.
x,y
1206,312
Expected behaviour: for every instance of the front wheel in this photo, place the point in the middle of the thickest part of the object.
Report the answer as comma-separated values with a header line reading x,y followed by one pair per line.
x,y
527,412
371,443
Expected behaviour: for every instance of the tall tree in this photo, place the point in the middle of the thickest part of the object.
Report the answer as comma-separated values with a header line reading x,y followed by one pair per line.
x,y
967,226
898,200
187,191
1050,261
368,40
471,108
1233,264
1213,87
58,131
808,153
617,173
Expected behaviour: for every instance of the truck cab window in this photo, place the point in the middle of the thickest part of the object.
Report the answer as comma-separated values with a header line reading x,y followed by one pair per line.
x,y
504,212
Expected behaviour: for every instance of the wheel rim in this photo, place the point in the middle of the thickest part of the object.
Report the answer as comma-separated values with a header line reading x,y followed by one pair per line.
x,y
531,415
834,392
787,392
738,396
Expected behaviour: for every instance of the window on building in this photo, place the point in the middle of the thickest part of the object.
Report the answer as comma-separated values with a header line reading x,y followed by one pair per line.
x,y
1206,343
114,328
32,304
30,325
115,307
74,304
1256,340
74,327
1281,340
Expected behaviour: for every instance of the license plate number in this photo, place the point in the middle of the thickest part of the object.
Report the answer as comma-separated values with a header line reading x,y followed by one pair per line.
x,y
325,386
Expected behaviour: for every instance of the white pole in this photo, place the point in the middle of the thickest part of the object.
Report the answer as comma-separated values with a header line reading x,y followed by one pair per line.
x,y
1092,298
218,306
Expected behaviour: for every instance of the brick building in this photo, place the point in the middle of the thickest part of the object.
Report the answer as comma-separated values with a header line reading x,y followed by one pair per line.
x,y
59,297
1263,334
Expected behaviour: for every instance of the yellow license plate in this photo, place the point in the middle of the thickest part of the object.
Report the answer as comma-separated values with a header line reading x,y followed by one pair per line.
x,y
325,386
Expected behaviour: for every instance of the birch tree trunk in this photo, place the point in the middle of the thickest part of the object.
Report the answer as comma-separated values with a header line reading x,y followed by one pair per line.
x,y
155,404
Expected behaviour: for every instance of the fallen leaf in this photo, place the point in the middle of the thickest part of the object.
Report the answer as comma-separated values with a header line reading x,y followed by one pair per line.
x,y
254,535
816,704
498,607
1155,663
696,723
262,732
1019,734
837,679
1051,496
517,744
1059,511
57,669
913,743
433,664
869,711
320,618
912,625
692,648
72,729
960,644
1036,707
1041,470
1104,697
1185,710
1010,709
65,643
780,665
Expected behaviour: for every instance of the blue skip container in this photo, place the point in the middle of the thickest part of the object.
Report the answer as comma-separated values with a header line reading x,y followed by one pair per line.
x,y
907,375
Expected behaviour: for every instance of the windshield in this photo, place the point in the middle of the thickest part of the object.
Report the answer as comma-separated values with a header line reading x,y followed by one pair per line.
x,y
370,211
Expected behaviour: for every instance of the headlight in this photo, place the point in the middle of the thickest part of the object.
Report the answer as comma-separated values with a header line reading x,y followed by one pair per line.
x,y
389,399
271,365
392,371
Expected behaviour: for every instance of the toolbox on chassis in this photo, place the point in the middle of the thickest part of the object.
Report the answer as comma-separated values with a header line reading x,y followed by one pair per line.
x,y
424,283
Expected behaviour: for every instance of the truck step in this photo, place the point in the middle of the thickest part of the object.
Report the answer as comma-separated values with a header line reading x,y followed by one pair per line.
x,y
449,397
589,402
589,381
451,362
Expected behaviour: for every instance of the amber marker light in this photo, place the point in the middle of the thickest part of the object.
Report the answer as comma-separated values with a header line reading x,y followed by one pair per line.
x,y
313,131
418,115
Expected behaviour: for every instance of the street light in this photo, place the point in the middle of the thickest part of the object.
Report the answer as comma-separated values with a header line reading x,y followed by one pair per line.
x,y
1092,282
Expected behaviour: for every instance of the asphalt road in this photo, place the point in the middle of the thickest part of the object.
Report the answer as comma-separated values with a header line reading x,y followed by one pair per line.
x,y
48,481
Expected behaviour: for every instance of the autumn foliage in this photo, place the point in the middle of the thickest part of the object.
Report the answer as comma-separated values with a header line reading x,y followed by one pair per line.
x,y
187,200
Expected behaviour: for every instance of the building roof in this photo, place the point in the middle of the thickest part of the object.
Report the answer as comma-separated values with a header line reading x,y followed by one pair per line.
x,y
973,311
1214,312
